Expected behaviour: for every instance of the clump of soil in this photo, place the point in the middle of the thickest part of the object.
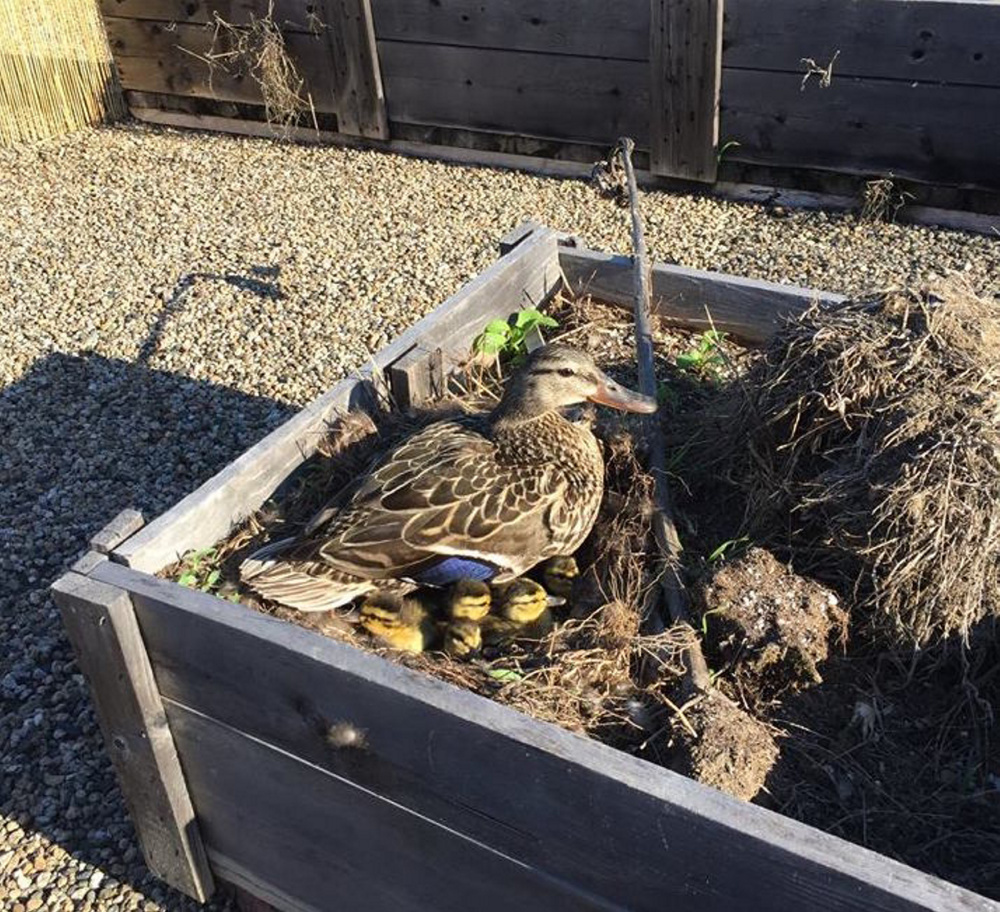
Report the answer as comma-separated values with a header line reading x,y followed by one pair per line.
x,y
732,751
867,444
768,624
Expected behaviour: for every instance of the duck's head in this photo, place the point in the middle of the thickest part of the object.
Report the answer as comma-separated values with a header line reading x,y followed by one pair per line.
x,y
524,600
469,599
556,376
463,638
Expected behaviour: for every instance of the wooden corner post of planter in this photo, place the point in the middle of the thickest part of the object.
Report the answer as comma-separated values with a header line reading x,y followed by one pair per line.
x,y
685,58
101,625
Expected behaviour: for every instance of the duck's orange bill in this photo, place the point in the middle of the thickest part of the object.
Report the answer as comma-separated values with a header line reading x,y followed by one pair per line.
x,y
617,396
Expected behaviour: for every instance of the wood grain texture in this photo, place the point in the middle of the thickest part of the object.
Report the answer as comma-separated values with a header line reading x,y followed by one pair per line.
x,y
116,531
416,378
685,65
748,309
101,625
614,826
333,845
291,15
530,273
360,100
566,97
912,40
588,28
173,59
938,133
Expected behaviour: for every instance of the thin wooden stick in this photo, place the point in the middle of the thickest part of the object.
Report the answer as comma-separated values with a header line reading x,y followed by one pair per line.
x,y
664,528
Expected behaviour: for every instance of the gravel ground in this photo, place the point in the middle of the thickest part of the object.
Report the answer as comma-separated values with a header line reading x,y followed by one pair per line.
x,y
167,298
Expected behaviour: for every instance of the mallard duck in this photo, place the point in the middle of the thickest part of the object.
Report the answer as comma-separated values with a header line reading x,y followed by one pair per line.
x,y
523,612
401,623
559,574
462,638
483,497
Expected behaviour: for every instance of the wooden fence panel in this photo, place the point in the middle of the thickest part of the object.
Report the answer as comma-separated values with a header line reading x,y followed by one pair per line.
x,y
358,80
912,40
155,57
291,15
941,133
561,96
684,73
587,28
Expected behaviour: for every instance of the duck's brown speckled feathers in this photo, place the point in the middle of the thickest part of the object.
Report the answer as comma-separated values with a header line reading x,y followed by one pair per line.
x,y
510,489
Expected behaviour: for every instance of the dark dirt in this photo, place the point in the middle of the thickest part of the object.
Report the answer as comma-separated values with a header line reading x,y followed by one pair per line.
x,y
768,625
733,751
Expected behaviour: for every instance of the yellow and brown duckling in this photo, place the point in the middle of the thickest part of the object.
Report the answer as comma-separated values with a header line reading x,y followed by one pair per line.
x,y
463,638
401,623
522,612
559,575
468,603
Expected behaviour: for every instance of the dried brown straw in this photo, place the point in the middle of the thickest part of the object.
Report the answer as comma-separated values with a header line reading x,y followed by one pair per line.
x,y
56,73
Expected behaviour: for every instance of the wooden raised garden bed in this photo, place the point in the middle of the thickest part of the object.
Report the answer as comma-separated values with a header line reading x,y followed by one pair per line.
x,y
314,775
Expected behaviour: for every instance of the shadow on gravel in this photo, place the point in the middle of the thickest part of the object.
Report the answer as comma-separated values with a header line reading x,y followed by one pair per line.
x,y
81,438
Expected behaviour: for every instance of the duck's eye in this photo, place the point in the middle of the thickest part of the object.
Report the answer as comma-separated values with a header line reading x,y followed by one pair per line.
x,y
566,372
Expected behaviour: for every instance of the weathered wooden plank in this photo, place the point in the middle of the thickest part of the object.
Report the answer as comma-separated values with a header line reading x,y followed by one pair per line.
x,y
589,28
290,15
332,844
567,97
685,66
530,273
360,104
937,133
101,626
417,377
161,57
612,825
116,531
927,41
748,309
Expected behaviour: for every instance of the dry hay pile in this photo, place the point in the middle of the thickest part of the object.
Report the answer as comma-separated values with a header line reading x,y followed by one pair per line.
x,y
867,445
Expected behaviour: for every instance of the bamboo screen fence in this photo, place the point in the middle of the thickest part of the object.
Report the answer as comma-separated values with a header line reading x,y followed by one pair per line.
x,y
56,72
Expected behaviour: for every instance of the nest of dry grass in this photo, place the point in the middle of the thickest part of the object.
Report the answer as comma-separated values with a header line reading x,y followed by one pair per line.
x,y
868,447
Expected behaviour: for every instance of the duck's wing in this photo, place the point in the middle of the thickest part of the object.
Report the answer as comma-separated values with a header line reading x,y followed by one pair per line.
x,y
445,493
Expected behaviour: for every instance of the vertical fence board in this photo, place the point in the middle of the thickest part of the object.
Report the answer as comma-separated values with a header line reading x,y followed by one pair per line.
x,y
685,73
358,80
102,627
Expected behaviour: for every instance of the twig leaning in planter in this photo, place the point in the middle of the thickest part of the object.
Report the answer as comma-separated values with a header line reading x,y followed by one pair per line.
x,y
664,528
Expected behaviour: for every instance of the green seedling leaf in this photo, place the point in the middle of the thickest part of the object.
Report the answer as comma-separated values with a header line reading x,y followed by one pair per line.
x,y
725,546
689,360
528,319
704,620
188,579
505,674
212,580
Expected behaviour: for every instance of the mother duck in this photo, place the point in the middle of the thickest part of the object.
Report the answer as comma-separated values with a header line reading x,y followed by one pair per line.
x,y
480,497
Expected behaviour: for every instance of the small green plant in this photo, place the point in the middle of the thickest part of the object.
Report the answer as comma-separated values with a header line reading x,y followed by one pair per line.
x,y
508,338
198,570
705,617
725,547
706,359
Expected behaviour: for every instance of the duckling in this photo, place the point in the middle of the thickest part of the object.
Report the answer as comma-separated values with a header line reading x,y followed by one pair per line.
x,y
463,638
401,623
559,574
523,613
469,599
